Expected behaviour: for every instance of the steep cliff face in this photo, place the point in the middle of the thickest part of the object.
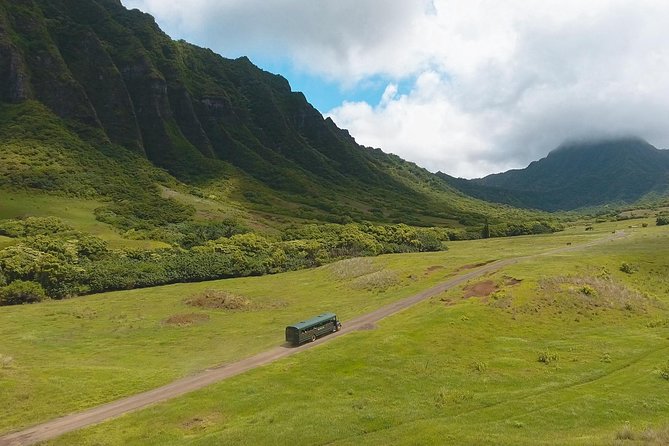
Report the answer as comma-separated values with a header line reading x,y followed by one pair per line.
x,y
99,65
49,77
115,79
14,81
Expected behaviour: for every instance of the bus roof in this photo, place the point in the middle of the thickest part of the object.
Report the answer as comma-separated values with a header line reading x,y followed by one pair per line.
x,y
313,321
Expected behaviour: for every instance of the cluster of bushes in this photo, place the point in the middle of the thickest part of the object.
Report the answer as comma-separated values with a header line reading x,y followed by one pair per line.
x,y
662,220
526,228
362,239
188,234
147,213
53,260
32,226
507,230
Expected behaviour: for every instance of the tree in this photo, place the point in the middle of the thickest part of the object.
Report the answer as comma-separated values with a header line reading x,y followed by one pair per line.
x,y
485,232
21,292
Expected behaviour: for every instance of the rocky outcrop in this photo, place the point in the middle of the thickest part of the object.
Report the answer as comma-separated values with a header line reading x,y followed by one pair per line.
x,y
14,81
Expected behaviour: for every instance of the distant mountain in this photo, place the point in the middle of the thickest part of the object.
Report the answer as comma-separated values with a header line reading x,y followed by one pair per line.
x,y
93,95
577,175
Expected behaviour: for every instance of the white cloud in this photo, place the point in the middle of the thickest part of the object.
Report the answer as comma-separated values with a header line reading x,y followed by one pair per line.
x,y
515,79
341,39
494,84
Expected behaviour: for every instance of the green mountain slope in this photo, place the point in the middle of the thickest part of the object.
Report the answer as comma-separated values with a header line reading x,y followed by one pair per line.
x,y
128,94
577,175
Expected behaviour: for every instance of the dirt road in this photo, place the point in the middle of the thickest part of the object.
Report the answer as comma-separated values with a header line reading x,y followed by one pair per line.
x,y
60,426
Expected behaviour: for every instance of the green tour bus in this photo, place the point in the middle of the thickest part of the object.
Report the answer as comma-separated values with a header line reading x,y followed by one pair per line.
x,y
313,328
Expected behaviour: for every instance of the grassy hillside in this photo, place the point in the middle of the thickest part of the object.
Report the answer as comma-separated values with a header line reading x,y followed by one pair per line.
x,y
463,366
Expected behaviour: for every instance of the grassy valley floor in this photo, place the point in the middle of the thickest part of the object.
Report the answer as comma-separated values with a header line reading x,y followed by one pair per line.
x,y
558,349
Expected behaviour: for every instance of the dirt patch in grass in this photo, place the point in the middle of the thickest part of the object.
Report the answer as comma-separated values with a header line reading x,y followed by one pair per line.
x,y
201,423
480,289
185,320
434,268
475,265
511,281
218,300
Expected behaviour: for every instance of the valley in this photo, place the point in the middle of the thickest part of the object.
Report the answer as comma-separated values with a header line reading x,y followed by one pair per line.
x,y
166,212
441,363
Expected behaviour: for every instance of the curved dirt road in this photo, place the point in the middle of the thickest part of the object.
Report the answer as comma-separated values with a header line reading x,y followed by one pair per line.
x,y
59,426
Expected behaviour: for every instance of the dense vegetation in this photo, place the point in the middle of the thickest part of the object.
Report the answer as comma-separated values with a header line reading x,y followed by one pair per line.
x,y
60,262
579,175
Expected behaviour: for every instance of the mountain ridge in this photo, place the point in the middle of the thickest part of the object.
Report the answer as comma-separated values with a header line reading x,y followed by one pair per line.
x,y
578,174
116,80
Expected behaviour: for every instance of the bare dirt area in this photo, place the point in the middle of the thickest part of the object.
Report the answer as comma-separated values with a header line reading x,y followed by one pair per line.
x,y
475,265
434,268
68,423
511,281
480,289
184,320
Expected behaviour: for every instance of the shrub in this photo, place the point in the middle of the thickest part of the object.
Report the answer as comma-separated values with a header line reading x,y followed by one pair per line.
x,y
21,292
628,268
547,357
32,226
480,366
626,433
588,291
662,220
198,233
664,371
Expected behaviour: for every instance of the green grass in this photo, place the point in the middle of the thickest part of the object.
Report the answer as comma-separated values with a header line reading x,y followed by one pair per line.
x,y
417,379
76,212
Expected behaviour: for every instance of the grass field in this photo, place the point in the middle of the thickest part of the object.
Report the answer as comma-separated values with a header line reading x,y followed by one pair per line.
x,y
454,369
76,212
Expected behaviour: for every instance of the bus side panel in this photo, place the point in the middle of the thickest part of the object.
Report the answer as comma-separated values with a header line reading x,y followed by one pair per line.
x,y
297,337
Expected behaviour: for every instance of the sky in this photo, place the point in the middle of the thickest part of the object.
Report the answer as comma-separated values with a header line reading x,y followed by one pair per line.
x,y
466,87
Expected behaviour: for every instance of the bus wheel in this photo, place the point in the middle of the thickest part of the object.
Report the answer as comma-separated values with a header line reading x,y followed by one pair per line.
x,y
313,338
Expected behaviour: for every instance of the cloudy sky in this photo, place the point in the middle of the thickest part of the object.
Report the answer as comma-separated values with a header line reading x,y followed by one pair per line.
x,y
468,87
